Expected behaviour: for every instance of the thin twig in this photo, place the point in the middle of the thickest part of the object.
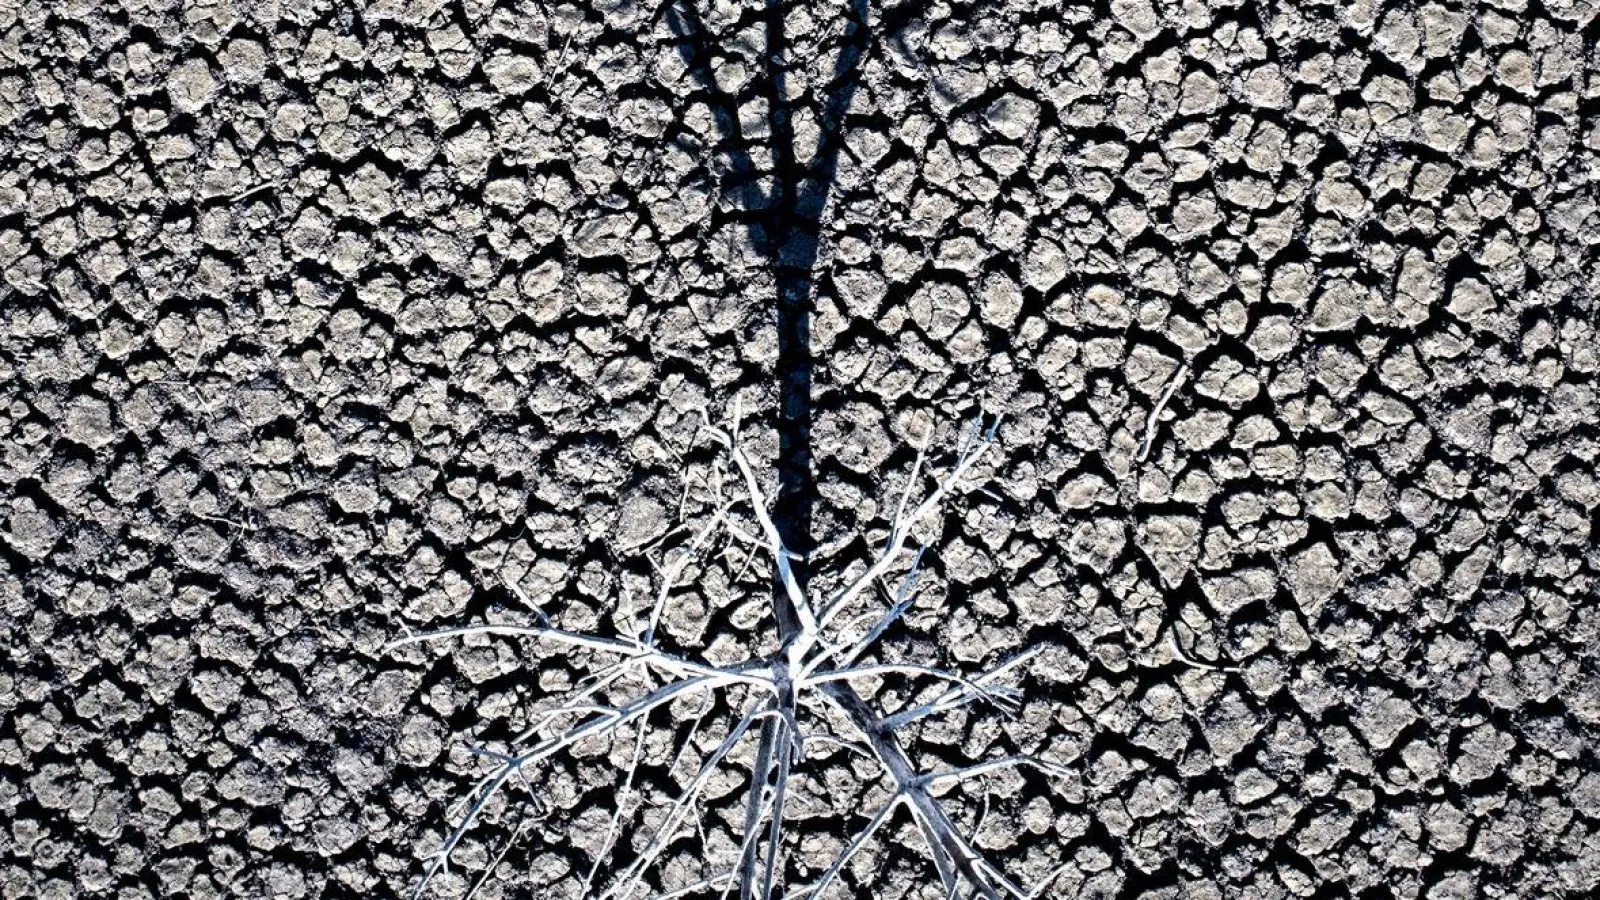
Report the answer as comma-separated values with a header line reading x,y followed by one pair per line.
x,y
811,672
1155,412
251,192
972,452
506,848
616,816
816,890
1177,650
560,60
960,695
758,501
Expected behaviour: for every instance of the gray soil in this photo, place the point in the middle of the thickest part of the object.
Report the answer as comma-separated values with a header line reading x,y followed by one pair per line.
x,y
320,321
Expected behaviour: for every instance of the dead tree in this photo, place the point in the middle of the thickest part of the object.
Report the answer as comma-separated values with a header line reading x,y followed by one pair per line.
x,y
815,670
786,698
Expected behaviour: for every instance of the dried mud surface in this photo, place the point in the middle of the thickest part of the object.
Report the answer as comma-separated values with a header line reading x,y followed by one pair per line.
x,y
319,320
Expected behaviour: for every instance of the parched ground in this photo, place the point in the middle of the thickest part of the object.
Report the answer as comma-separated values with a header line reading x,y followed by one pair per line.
x,y
321,322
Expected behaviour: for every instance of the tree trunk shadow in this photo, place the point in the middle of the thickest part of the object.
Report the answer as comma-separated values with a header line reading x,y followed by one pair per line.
x,y
788,228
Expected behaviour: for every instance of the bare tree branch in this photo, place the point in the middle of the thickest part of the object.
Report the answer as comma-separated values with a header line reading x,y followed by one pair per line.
x,y
813,671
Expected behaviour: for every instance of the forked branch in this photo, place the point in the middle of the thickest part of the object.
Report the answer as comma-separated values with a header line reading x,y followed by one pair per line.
x,y
812,675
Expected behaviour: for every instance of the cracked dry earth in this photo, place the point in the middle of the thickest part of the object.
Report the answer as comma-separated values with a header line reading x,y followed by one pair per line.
x,y
319,322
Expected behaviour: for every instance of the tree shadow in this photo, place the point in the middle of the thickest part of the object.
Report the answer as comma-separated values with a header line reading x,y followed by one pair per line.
x,y
787,224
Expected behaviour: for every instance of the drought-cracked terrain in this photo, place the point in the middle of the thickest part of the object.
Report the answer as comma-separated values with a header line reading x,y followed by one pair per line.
x,y
327,323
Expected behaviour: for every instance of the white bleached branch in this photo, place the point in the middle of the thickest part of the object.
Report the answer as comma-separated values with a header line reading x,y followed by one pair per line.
x,y
1151,423
812,674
